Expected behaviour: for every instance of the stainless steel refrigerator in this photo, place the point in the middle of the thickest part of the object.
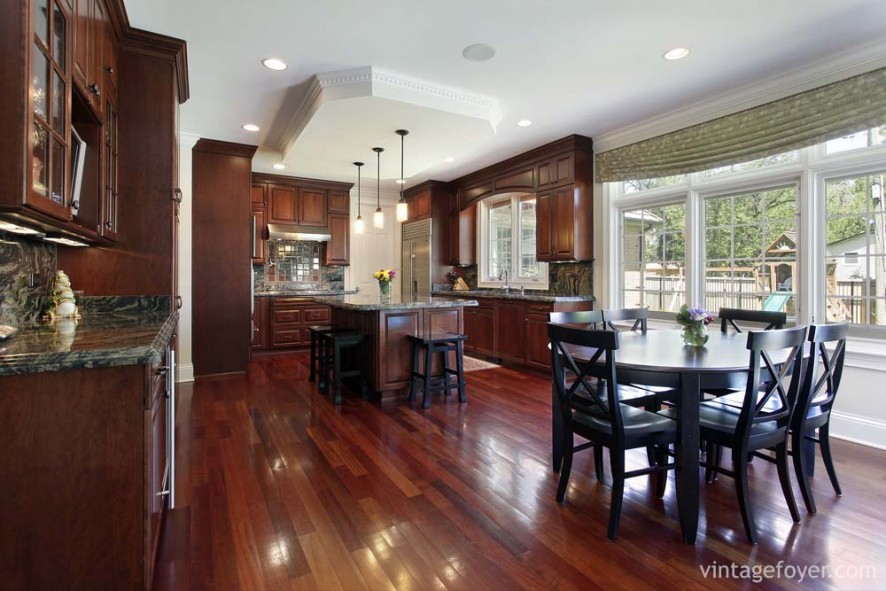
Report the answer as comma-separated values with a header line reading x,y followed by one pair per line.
x,y
416,267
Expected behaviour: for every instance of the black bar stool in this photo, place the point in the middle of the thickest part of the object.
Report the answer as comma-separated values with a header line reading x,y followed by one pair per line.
x,y
439,343
333,345
317,350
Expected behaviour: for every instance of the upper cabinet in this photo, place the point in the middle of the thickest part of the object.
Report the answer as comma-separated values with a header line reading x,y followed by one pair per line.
x,y
560,174
94,55
293,205
312,208
418,206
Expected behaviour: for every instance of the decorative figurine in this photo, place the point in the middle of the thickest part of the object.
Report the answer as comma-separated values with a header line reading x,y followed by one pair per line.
x,y
64,305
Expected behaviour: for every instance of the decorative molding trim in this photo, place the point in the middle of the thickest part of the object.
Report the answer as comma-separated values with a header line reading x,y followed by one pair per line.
x,y
296,181
188,140
826,71
161,46
226,148
858,429
371,81
185,373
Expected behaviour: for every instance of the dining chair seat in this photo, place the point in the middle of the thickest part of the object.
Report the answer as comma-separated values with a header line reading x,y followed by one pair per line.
x,y
715,416
736,399
637,422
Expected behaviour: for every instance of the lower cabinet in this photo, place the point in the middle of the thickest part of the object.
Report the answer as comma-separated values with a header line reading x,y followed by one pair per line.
x,y
290,319
260,328
86,510
514,331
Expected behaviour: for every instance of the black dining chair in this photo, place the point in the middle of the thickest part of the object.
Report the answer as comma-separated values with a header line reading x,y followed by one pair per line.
x,y
640,316
730,317
758,424
824,370
634,396
600,417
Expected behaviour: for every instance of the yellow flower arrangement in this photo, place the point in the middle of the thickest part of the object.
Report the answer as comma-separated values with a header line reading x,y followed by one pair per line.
x,y
385,275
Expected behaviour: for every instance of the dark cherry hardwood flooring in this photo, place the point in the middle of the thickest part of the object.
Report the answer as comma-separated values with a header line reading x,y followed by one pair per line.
x,y
279,489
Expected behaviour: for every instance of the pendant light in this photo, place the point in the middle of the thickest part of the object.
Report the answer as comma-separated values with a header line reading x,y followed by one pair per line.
x,y
402,209
378,220
358,223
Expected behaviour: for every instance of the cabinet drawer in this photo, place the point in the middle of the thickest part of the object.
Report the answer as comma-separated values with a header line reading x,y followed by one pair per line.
x,y
284,316
286,337
539,308
315,315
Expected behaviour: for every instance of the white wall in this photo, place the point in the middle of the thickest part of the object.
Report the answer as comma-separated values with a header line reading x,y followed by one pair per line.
x,y
184,353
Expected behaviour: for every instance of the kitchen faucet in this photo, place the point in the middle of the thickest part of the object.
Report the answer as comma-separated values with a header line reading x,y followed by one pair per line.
x,y
505,287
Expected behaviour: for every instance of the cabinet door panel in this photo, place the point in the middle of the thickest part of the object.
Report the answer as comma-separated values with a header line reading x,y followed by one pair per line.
x,y
510,330
563,229
543,221
258,235
419,206
259,194
312,208
467,236
338,250
537,352
564,168
282,205
480,329
339,202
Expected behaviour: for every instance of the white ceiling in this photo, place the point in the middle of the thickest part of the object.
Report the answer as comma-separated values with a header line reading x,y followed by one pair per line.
x,y
590,67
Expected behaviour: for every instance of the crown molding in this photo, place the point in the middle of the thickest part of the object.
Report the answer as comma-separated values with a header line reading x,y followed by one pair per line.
x,y
826,71
369,81
225,148
188,140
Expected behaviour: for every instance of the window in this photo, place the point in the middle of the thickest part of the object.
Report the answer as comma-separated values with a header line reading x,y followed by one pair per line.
x,y
646,184
748,230
507,241
855,257
654,257
751,250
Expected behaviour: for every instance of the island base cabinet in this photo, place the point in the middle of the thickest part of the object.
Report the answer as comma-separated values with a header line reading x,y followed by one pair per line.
x,y
83,454
387,347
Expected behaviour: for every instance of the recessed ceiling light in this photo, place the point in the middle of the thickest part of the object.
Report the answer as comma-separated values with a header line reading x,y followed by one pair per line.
x,y
450,159
279,166
478,52
273,63
676,53
250,127
401,181
524,123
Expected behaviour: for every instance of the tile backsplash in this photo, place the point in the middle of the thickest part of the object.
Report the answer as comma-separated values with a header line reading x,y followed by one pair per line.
x,y
27,270
295,264
566,279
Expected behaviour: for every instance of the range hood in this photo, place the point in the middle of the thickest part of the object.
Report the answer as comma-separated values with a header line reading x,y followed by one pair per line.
x,y
293,232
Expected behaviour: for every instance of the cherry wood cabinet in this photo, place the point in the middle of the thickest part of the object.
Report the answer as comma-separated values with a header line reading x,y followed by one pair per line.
x,y
480,328
259,194
282,205
259,229
433,200
339,202
290,319
338,251
419,205
260,323
537,352
543,243
92,57
510,330
463,236
312,208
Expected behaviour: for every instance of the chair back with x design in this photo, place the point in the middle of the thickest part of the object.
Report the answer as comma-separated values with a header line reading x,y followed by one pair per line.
x,y
589,319
768,379
640,316
579,394
819,390
730,316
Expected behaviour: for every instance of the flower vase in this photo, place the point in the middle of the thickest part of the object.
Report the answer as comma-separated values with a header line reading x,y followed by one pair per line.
x,y
695,334
384,291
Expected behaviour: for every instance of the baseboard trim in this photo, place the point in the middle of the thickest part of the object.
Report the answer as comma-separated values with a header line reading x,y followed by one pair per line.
x,y
185,372
858,429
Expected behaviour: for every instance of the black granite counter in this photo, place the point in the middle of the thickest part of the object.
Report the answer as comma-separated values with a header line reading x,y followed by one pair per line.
x,y
513,295
369,302
129,337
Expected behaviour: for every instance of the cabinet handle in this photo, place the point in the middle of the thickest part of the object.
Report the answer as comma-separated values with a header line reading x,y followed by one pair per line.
x,y
162,493
95,89
109,225
177,195
178,302
162,370
109,69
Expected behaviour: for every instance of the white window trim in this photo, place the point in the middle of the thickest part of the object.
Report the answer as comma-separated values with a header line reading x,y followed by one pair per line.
x,y
810,172
540,283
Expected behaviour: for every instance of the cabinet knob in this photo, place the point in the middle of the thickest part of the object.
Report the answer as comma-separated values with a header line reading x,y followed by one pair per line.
x,y
177,195
95,89
109,69
162,370
178,302
109,225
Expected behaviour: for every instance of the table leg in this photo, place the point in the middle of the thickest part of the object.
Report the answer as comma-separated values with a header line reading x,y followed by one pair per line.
x,y
687,455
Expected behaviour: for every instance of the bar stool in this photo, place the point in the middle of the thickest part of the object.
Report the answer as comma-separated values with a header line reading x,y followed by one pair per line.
x,y
439,343
333,345
317,332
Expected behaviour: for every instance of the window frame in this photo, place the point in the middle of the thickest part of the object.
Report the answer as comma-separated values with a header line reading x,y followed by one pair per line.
x,y
810,171
541,282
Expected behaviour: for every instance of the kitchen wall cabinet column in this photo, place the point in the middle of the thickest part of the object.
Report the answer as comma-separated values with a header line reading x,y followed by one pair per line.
x,y
222,182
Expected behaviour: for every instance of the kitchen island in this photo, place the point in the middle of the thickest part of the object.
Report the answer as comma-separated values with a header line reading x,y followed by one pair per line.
x,y
387,325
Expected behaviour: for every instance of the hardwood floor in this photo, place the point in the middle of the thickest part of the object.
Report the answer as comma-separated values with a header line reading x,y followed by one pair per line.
x,y
279,489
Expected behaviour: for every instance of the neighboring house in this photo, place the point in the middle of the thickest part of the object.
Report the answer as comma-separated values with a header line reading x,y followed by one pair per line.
x,y
848,257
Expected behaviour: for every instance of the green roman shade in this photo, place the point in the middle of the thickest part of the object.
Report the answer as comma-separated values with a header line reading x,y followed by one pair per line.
x,y
794,122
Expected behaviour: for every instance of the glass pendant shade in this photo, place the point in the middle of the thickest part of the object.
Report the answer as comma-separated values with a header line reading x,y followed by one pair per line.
x,y
402,211
359,226
358,223
378,219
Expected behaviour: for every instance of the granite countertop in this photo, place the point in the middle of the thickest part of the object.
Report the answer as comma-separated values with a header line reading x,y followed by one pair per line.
x,y
291,293
100,340
369,302
513,295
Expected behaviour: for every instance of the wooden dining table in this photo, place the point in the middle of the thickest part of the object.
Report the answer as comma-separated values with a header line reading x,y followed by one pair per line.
x,y
659,358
